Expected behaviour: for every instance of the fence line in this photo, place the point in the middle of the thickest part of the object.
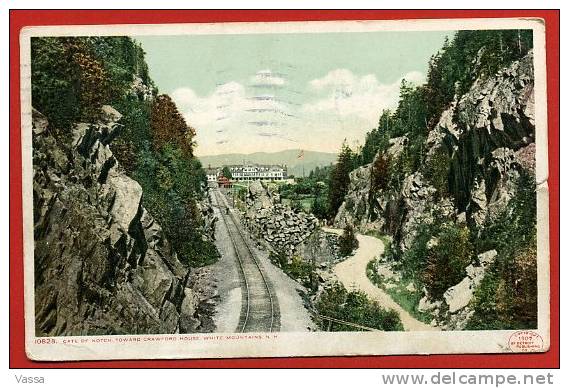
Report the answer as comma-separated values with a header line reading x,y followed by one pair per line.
x,y
336,320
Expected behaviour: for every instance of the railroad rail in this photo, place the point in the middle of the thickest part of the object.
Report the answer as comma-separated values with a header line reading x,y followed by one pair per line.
x,y
260,310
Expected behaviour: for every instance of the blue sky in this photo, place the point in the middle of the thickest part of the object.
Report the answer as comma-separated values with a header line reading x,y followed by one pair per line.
x,y
270,92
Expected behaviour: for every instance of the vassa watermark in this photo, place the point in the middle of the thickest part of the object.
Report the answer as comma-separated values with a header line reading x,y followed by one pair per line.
x,y
467,379
22,379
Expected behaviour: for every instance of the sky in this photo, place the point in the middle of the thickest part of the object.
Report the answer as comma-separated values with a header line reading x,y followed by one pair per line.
x,y
272,92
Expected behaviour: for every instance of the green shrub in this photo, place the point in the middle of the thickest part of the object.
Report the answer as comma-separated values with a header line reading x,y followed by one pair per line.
x,y
437,170
412,262
447,260
297,268
408,300
320,207
348,241
125,152
507,296
354,307
379,174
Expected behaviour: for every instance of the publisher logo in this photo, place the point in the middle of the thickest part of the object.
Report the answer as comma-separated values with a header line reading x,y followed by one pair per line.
x,y
525,341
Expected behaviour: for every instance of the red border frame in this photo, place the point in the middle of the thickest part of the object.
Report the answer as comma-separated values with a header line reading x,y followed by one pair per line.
x,y
23,18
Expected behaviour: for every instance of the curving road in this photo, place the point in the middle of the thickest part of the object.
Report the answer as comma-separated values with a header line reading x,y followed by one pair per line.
x,y
352,273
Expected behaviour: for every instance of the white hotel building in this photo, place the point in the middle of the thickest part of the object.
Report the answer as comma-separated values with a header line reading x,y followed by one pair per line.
x,y
258,172
250,173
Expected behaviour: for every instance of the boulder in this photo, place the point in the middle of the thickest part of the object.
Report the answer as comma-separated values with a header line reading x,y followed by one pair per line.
x,y
426,305
459,296
39,122
127,197
397,146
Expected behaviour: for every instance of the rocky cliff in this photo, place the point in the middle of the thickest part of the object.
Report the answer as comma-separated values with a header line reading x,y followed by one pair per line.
x,y
102,263
479,146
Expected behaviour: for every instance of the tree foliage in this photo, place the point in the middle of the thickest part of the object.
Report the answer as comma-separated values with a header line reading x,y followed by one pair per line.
x,y
447,259
340,179
320,207
379,174
470,55
226,172
464,58
507,296
348,241
467,56
354,307
73,77
437,171
68,82
169,127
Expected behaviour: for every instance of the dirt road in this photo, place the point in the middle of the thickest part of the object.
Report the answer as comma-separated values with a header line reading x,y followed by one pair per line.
x,y
352,273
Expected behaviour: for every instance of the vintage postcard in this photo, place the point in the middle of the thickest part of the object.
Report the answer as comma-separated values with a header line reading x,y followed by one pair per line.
x,y
285,189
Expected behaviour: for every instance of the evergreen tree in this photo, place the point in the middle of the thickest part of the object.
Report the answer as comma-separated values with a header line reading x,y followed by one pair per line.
x,y
348,241
340,179
226,172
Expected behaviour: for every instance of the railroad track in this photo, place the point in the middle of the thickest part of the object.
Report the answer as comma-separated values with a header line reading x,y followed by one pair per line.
x,y
259,307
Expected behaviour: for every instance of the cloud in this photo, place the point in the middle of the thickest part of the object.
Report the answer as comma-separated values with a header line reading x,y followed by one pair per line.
x,y
342,93
221,105
239,117
232,116
267,77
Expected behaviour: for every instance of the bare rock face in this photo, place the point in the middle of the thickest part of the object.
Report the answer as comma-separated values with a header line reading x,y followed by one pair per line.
x,y
484,129
102,263
319,248
277,224
397,146
454,310
459,296
356,208
39,122
140,89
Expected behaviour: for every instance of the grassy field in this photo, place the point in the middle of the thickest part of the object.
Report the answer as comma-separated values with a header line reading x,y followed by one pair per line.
x,y
304,203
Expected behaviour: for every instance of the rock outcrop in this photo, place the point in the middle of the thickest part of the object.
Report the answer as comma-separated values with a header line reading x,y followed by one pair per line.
x,y
459,296
484,129
457,299
102,263
488,135
277,224
357,208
